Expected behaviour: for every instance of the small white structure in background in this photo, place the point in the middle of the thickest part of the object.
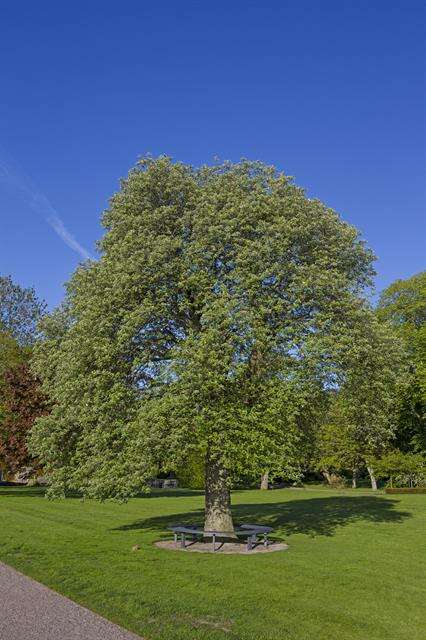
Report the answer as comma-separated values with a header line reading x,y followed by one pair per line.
x,y
164,483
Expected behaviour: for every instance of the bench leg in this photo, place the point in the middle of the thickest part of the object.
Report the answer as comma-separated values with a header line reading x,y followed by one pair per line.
x,y
182,540
214,543
176,538
249,543
265,540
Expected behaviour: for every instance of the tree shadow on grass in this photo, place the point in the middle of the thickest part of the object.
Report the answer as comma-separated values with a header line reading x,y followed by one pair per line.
x,y
313,517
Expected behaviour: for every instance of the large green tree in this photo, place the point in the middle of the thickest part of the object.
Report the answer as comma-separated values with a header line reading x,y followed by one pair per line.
x,y
222,296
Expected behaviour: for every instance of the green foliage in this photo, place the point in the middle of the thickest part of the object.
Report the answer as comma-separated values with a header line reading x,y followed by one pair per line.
x,y
191,474
337,448
402,469
20,310
403,305
368,394
360,420
11,353
222,300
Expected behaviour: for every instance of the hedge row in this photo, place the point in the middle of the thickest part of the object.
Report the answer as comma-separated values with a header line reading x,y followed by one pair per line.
x,y
406,490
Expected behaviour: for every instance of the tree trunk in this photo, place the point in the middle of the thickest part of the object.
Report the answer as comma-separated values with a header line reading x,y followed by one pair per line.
x,y
218,515
354,478
372,478
264,480
327,475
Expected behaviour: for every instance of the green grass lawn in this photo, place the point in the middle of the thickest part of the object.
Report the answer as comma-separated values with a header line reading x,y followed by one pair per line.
x,y
355,567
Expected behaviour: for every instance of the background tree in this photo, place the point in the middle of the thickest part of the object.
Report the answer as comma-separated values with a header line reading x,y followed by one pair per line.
x,y
308,419
11,354
402,469
337,447
368,394
403,305
23,403
223,295
20,310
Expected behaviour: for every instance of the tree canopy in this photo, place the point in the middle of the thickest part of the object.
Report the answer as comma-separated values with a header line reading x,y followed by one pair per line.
x,y
223,298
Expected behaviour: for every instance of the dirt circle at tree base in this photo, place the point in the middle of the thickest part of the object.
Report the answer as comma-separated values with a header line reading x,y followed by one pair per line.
x,y
221,548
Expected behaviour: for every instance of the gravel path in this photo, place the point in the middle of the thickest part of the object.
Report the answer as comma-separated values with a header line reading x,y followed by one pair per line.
x,y
31,611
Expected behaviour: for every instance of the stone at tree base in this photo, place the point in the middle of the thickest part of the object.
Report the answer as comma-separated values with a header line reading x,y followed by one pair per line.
x,y
222,548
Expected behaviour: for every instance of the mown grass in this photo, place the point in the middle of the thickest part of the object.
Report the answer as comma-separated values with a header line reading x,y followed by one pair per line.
x,y
355,567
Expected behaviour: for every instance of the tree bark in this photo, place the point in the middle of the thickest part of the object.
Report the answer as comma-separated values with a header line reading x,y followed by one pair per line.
x,y
218,515
264,480
354,478
332,478
327,475
372,478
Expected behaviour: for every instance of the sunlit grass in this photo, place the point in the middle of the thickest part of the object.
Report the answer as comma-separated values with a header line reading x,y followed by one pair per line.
x,y
355,567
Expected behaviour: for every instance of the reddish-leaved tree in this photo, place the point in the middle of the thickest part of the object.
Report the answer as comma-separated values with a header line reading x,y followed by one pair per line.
x,y
23,402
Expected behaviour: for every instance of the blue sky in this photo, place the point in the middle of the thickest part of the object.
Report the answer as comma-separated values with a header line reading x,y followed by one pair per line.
x,y
330,92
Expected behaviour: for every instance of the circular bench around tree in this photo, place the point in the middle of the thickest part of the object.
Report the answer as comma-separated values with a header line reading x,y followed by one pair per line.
x,y
248,531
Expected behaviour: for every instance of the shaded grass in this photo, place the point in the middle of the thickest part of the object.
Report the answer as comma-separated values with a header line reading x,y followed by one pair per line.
x,y
355,568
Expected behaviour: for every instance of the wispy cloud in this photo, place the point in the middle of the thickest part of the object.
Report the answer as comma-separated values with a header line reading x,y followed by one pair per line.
x,y
58,226
15,178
